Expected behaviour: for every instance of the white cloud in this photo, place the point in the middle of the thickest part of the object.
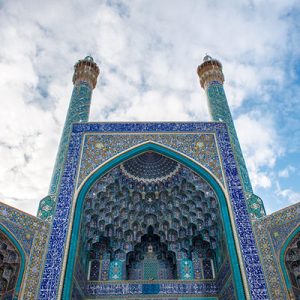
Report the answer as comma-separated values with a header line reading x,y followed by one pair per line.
x,y
260,146
285,173
148,52
289,194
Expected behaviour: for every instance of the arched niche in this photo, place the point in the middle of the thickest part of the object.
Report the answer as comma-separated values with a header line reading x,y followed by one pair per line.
x,y
12,264
290,264
199,240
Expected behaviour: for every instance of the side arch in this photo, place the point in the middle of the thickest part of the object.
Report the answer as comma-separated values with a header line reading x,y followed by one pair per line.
x,y
282,258
150,146
23,258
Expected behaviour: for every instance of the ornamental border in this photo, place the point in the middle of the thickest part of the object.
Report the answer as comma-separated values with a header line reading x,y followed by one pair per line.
x,y
56,249
39,230
185,160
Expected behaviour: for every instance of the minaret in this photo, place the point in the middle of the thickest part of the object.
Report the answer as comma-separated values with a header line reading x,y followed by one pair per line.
x,y
211,80
85,76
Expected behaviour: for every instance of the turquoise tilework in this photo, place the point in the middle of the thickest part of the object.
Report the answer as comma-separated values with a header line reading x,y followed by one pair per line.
x,y
220,111
78,111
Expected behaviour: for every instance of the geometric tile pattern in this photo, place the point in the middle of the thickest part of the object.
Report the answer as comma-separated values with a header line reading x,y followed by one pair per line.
x,y
117,215
271,233
220,111
32,234
61,220
24,236
84,79
78,111
100,147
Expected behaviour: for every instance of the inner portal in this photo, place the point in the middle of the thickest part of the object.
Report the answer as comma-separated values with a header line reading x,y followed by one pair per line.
x,y
10,261
150,219
151,259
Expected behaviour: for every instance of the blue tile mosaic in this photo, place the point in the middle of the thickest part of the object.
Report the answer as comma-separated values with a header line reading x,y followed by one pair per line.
x,y
271,233
220,111
56,250
78,111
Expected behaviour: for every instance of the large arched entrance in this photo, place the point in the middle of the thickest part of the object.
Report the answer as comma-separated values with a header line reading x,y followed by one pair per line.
x,y
154,215
12,264
290,263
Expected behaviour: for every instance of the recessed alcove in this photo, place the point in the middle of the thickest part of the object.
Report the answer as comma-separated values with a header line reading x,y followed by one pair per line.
x,y
150,220
10,261
292,262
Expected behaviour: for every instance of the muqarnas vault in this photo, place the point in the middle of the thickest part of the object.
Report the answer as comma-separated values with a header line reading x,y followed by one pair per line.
x,y
150,211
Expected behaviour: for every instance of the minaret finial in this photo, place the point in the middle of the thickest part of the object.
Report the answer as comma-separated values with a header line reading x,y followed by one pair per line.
x,y
210,70
207,57
86,70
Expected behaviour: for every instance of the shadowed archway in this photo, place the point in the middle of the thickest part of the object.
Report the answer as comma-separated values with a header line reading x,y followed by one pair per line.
x,y
290,263
12,265
178,158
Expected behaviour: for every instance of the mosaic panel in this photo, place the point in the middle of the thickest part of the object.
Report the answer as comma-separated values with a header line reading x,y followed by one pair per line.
x,y
181,212
24,236
220,111
186,269
50,280
282,228
271,233
46,208
99,148
116,270
33,238
168,288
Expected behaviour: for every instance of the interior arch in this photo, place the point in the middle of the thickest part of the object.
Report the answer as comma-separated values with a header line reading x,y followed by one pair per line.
x,y
118,235
290,263
12,264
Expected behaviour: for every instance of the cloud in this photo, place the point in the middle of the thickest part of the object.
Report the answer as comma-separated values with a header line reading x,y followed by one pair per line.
x,y
289,194
148,52
285,173
260,145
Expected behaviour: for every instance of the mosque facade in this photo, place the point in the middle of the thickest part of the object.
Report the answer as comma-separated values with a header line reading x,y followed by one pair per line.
x,y
150,210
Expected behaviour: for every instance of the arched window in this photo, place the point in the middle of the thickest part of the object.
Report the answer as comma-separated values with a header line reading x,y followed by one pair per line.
x,y
292,262
94,270
10,261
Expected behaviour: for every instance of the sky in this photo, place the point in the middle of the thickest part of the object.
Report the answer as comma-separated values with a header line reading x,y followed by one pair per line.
x,y
148,53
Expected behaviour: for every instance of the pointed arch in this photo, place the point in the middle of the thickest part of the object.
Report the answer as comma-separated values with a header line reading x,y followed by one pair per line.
x,y
14,241
184,160
283,253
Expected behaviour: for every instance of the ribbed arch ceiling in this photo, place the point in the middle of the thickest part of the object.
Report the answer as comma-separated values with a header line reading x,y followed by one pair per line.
x,y
151,191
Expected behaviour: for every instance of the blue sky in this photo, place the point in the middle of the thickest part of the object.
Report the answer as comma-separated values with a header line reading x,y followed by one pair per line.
x,y
148,53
